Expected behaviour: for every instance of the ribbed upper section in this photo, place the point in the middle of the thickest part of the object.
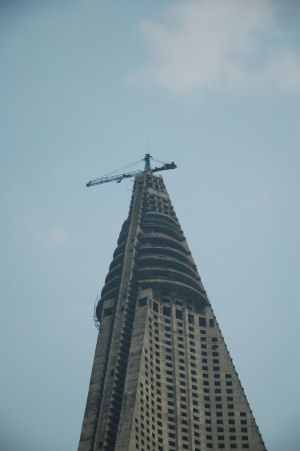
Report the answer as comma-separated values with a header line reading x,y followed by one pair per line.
x,y
162,257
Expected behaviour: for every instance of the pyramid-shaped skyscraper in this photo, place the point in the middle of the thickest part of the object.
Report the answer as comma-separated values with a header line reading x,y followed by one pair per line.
x,y
162,377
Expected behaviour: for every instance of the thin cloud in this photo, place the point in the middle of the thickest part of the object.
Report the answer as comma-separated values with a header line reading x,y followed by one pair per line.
x,y
219,45
52,238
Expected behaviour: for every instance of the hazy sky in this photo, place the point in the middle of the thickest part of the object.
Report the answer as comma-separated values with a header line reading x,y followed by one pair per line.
x,y
84,86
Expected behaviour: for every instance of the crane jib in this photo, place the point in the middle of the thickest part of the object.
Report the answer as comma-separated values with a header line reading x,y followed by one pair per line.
x,y
118,178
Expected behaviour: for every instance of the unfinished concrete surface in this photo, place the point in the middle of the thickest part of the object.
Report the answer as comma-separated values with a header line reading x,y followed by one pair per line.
x,y
162,377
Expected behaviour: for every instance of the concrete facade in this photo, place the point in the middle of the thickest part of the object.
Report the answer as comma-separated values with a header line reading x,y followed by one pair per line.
x,y
162,377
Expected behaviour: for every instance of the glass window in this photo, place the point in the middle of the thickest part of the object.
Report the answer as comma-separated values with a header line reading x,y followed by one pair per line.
x,y
202,322
179,314
166,310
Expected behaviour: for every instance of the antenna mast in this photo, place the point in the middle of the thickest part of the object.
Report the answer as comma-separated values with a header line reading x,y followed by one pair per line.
x,y
147,162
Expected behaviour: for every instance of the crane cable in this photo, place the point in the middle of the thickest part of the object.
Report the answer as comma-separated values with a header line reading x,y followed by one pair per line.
x,y
118,170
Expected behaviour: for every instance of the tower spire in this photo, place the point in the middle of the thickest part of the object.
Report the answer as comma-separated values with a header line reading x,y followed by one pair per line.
x,y
162,378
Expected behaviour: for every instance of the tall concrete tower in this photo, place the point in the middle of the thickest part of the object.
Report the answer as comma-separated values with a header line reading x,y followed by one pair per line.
x,y
162,377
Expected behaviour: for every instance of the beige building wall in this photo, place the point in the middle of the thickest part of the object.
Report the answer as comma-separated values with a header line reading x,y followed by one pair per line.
x,y
162,377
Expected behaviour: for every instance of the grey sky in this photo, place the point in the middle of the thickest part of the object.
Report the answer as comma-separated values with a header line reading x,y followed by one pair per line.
x,y
83,86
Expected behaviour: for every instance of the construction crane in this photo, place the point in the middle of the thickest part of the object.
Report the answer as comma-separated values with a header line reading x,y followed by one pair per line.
x,y
118,178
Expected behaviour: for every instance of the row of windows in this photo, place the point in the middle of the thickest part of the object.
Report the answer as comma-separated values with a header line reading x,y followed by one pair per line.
x,y
158,203
183,407
179,323
180,338
168,352
182,375
166,311
150,409
232,445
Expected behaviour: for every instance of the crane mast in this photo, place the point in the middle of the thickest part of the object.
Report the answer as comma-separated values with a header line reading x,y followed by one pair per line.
x,y
118,178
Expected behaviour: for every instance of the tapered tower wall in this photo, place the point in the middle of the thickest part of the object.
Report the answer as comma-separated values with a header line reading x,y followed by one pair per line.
x,y
162,377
